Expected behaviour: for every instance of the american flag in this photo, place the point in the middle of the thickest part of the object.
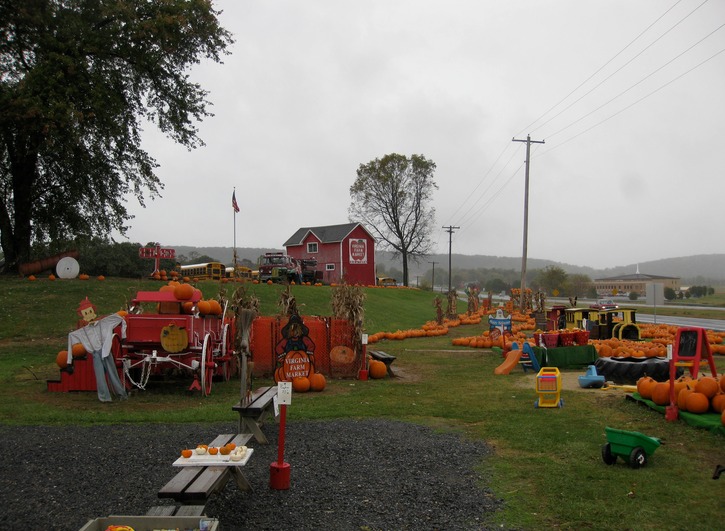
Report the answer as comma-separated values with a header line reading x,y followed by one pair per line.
x,y
235,206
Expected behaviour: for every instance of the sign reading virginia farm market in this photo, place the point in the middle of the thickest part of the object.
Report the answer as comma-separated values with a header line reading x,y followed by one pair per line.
x,y
358,251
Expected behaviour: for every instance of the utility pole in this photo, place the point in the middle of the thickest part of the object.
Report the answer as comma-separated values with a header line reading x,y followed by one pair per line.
x,y
450,229
526,216
433,277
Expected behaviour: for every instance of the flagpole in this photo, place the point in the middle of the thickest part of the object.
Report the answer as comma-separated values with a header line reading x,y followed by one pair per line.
x,y
234,196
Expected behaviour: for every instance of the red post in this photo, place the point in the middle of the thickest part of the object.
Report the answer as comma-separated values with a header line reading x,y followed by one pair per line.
x,y
279,471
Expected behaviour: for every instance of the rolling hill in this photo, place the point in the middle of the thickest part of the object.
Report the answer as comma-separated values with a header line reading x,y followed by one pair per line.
x,y
706,269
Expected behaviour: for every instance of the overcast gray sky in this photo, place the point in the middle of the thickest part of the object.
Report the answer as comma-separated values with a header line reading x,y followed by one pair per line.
x,y
627,95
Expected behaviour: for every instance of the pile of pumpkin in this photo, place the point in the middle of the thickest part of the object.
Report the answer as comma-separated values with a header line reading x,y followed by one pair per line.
x,y
429,329
624,348
485,341
314,382
701,395
664,334
184,292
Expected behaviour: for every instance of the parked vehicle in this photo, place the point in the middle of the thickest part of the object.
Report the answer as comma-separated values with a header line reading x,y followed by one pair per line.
x,y
605,304
279,267
205,271
309,271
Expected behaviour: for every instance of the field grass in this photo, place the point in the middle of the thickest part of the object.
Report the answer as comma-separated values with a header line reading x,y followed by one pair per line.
x,y
547,464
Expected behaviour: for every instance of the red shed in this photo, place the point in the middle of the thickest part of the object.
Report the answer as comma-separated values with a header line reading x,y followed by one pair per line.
x,y
342,252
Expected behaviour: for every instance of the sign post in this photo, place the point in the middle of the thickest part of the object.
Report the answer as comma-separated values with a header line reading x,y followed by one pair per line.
x,y
363,373
279,471
157,253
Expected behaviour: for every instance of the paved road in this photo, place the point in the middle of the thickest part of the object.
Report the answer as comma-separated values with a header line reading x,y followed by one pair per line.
x,y
710,324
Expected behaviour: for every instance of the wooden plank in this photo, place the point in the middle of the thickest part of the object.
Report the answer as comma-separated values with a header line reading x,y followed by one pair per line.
x,y
258,403
211,479
161,510
178,484
191,510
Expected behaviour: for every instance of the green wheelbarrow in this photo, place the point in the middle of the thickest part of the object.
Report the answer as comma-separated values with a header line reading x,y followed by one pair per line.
x,y
633,447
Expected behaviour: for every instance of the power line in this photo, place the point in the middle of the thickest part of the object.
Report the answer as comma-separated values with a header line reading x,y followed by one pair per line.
x,y
528,127
633,103
621,67
640,81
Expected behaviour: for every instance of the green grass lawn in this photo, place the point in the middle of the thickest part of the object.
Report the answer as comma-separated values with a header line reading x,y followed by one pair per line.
x,y
546,465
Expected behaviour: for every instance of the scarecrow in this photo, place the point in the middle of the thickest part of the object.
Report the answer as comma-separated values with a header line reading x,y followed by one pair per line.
x,y
96,335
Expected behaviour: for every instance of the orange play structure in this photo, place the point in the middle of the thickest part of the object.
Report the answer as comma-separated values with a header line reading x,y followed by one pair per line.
x,y
511,360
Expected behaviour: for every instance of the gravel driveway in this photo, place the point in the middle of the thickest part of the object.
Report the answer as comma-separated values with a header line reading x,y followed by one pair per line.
x,y
345,474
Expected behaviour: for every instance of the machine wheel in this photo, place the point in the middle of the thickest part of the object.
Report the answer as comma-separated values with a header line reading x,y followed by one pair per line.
x,y
638,457
227,352
207,366
607,456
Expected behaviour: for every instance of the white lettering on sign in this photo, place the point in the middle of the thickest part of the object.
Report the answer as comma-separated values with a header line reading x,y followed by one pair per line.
x,y
359,251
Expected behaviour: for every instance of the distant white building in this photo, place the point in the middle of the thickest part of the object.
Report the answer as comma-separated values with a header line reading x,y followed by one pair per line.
x,y
637,283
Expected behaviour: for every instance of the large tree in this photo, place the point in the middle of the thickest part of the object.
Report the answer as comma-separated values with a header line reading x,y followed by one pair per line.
x,y
78,80
391,196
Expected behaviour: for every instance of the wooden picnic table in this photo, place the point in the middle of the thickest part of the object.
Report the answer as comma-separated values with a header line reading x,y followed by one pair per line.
x,y
200,478
255,410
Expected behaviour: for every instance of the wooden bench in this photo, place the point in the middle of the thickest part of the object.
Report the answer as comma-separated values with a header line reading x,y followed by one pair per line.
x,y
253,413
386,358
194,484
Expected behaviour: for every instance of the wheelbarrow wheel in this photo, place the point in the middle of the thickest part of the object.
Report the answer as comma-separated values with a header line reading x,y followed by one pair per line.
x,y
207,366
607,456
637,457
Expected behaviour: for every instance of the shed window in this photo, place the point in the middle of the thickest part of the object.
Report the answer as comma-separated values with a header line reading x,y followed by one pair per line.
x,y
312,247
329,267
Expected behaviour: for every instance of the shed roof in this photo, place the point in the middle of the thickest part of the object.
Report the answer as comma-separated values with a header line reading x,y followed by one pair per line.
x,y
635,277
326,234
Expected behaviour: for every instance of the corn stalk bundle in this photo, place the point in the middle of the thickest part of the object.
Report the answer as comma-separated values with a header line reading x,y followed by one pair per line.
x,y
287,303
246,308
348,302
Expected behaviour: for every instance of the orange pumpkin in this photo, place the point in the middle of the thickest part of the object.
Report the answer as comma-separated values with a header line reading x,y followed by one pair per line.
x,y
661,393
214,307
204,307
682,398
62,359
644,386
718,403
183,292
377,369
301,384
78,350
708,386
697,403
342,355
186,453
318,382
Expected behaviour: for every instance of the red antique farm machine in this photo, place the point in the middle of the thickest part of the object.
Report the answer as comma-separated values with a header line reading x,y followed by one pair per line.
x,y
179,337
